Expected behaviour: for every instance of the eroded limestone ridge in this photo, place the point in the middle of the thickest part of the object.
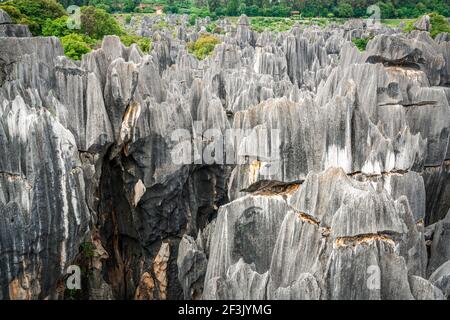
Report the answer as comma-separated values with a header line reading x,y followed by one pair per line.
x,y
353,206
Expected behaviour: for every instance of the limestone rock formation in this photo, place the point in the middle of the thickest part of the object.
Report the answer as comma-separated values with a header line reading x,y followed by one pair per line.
x,y
10,29
441,278
285,165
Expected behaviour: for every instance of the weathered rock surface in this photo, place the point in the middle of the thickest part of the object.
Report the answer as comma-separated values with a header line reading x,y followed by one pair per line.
x,y
4,17
10,29
424,290
423,24
440,249
122,163
441,278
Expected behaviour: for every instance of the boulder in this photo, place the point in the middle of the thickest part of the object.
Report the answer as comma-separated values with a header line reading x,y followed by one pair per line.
x,y
423,23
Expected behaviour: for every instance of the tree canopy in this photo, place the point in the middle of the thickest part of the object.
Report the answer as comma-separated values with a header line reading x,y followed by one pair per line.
x,y
307,8
50,18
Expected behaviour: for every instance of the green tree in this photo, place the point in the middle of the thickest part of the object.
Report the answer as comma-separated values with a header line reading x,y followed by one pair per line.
x,y
252,11
439,24
387,10
420,9
129,6
107,5
200,3
143,43
361,43
18,17
80,3
97,23
242,8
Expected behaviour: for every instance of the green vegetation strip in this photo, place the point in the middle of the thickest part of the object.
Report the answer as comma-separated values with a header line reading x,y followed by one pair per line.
x,y
49,18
